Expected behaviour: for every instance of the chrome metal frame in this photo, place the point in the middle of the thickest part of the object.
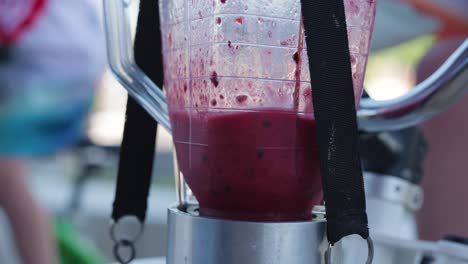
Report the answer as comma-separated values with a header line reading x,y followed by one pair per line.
x,y
431,97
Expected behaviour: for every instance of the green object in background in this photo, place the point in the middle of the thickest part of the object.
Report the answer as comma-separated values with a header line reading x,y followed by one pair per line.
x,y
409,53
72,249
392,72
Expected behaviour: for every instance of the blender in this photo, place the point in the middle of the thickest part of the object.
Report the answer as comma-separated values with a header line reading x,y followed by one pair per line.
x,y
238,101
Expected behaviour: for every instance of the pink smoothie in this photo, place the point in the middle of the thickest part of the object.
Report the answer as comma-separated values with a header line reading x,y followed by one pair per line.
x,y
257,166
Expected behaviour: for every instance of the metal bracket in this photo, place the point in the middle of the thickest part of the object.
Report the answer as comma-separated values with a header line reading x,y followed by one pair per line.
x,y
394,189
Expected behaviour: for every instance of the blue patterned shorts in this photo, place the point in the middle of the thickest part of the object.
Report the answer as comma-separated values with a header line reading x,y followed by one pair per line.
x,y
42,117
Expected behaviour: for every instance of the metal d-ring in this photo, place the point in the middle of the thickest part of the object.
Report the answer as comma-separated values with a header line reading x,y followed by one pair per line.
x,y
122,243
370,254
114,237
127,2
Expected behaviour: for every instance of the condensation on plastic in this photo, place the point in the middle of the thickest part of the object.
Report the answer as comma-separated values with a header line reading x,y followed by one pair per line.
x,y
227,55
244,49
243,55
217,51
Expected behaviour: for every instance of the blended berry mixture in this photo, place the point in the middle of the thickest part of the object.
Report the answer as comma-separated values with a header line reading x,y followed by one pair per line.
x,y
250,165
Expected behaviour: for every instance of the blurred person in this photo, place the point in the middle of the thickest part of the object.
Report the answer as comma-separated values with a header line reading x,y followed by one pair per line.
x,y
446,180
451,15
446,171
398,21
51,57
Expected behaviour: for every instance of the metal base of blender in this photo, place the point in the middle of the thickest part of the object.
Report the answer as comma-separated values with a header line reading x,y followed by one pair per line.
x,y
199,240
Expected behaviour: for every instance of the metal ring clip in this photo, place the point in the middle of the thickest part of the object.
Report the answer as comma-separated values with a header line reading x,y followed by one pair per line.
x,y
370,254
122,244
114,237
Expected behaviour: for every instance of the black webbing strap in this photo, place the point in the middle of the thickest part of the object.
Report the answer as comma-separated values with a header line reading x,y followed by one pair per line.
x,y
137,150
4,53
335,114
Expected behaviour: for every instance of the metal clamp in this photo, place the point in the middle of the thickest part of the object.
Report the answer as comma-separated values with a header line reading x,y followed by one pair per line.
x,y
370,250
319,213
393,189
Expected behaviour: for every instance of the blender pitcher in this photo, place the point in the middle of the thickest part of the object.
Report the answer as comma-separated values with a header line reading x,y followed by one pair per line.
x,y
239,99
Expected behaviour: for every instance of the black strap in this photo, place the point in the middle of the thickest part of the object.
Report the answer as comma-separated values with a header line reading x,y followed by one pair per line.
x,y
5,53
335,114
137,150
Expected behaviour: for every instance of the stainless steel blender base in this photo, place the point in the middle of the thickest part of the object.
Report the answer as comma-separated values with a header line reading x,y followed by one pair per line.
x,y
199,240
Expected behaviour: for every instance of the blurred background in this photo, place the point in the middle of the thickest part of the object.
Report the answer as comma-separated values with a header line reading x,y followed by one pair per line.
x,y
76,185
